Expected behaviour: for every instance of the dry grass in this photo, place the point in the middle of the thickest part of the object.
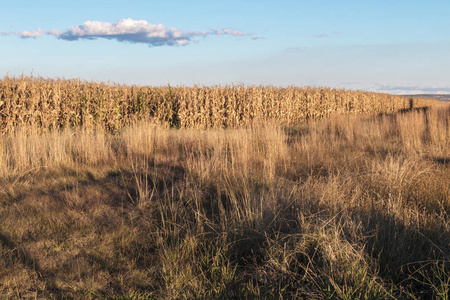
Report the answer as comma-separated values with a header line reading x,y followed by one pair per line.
x,y
342,208
55,104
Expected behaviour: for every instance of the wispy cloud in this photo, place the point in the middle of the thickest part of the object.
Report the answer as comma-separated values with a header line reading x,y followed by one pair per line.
x,y
326,35
227,31
31,34
133,31
412,89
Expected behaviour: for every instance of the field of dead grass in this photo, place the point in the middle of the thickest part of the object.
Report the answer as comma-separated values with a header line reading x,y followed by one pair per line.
x,y
348,207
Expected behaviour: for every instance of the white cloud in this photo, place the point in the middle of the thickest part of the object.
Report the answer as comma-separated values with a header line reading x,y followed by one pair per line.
x,y
182,42
233,32
129,30
53,32
134,31
31,34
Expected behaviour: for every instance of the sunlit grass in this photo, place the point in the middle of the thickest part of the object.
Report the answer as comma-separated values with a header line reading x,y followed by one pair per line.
x,y
342,208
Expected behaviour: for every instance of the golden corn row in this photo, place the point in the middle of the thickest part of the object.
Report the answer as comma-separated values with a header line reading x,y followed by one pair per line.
x,y
57,103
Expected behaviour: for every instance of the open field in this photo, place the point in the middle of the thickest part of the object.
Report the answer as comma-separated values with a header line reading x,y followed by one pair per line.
x,y
346,207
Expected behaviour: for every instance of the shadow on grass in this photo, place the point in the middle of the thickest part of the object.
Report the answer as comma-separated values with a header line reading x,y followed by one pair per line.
x,y
402,250
442,160
16,254
78,193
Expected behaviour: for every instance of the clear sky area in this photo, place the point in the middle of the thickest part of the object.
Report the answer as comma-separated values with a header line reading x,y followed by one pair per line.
x,y
400,47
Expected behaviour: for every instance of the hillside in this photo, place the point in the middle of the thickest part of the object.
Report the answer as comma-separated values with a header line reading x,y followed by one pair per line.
x,y
440,97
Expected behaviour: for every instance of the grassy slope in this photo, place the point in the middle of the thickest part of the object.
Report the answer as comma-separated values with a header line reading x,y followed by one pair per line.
x,y
344,208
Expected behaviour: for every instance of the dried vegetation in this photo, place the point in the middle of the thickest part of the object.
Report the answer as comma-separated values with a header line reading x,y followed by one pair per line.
x,y
345,207
50,104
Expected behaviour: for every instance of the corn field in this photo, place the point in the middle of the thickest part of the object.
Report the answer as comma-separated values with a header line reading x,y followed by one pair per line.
x,y
60,103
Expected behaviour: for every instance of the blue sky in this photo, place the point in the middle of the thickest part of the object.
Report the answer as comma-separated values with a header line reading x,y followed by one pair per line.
x,y
392,46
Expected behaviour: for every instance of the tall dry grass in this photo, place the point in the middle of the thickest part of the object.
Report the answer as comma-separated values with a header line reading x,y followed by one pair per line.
x,y
341,208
